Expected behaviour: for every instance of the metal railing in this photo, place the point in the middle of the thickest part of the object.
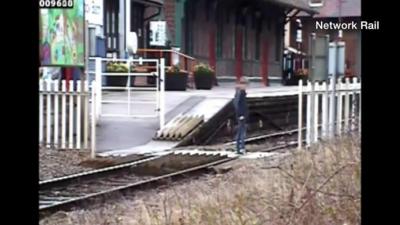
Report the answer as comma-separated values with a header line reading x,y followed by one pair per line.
x,y
158,73
185,62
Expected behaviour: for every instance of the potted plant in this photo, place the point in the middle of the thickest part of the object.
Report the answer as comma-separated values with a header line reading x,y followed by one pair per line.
x,y
116,67
302,74
203,76
175,79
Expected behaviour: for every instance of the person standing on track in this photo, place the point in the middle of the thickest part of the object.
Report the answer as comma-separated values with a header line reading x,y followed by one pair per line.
x,y
241,110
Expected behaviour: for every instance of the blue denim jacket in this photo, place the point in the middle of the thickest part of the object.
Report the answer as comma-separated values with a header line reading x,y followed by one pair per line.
x,y
240,104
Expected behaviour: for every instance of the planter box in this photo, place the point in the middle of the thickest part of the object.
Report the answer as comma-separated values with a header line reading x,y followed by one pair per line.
x,y
203,81
176,81
116,81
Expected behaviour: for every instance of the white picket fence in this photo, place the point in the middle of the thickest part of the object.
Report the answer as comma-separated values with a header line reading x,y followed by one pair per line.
x,y
64,115
320,122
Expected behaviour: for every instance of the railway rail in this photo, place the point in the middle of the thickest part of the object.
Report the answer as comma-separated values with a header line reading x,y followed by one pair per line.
x,y
66,192
74,190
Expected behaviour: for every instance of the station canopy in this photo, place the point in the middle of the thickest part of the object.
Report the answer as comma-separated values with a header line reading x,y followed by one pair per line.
x,y
156,3
294,4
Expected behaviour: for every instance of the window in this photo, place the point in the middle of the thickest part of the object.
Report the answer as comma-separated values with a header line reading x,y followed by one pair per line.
x,y
111,29
220,35
257,45
278,41
188,23
245,41
258,27
316,3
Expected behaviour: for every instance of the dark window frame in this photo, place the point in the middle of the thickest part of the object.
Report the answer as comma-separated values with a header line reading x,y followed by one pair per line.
x,y
278,42
220,33
111,28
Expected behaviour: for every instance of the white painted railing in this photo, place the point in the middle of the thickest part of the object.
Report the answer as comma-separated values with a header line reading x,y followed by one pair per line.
x,y
130,106
320,122
64,115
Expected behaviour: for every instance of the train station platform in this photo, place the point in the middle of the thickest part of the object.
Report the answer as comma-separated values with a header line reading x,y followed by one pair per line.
x,y
119,137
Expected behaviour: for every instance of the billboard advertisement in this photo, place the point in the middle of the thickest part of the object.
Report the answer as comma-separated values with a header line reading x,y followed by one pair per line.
x,y
62,36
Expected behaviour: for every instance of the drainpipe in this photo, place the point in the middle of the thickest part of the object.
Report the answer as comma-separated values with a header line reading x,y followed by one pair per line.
x,y
148,19
154,15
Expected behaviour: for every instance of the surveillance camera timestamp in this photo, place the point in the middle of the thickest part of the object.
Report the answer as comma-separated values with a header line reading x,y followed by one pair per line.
x,y
56,4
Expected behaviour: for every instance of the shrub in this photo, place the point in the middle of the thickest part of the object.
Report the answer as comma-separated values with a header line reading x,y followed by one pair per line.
x,y
202,69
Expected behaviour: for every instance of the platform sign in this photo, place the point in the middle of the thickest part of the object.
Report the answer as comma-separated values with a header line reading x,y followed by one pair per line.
x,y
158,33
94,11
319,53
61,40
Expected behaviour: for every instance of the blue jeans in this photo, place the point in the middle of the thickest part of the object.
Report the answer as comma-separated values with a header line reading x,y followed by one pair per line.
x,y
241,135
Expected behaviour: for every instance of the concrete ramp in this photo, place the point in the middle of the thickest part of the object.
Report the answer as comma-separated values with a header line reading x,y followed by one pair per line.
x,y
205,111
179,127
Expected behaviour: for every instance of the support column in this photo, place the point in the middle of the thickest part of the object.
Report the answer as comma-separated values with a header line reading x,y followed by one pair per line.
x,y
127,20
238,52
121,25
264,62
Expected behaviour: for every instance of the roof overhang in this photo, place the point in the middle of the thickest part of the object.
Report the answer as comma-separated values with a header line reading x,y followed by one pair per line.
x,y
156,3
298,5
295,51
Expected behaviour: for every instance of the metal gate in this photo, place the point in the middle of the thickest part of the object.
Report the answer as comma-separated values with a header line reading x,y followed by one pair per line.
x,y
118,96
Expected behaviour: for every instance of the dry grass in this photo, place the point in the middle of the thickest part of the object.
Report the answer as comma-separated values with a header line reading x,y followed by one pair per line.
x,y
315,187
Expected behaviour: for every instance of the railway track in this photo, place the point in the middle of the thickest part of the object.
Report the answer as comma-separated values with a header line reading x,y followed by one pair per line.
x,y
69,191
66,192
277,141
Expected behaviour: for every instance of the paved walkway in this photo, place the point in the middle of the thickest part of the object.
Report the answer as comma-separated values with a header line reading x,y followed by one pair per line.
x,y
123,136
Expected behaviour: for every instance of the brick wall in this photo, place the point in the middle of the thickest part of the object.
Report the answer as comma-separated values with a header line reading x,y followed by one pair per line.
x,y
226,65
169,12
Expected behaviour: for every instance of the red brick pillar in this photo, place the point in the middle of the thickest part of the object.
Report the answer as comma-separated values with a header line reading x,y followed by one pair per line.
x,y
238,52
264,62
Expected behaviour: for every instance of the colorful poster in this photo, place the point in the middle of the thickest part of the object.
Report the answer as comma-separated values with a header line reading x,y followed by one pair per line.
x,y
62,36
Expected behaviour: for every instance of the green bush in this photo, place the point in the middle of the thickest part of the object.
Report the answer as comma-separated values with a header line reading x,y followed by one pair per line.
x,y
174,69
117,67
203,70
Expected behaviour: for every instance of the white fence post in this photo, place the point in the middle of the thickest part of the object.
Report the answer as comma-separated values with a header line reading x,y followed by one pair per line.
x,y
325,112
359,109
346,106
86,114
332,108
56,105
162,93
308,114
158,88
48,109
339,117
316,111
41,111
78,114
71,115
353,104
98,86
93,121
64,115
300,115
